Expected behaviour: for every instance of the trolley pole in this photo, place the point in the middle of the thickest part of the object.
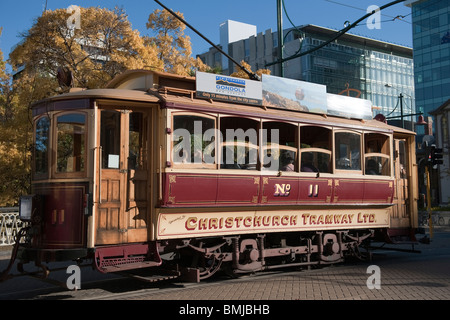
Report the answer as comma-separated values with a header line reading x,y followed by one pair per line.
x,y
430,220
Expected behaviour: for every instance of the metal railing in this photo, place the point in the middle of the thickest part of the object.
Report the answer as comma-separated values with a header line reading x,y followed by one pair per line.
x,y
10,224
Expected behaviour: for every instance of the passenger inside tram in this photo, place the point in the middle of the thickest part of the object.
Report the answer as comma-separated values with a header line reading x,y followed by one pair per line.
x,y
372,167
307,163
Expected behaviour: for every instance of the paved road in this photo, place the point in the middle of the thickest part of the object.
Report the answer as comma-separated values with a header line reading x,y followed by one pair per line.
x,y
402,276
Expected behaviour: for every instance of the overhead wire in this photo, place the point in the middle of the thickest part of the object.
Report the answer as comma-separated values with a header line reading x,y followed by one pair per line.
x,y
337,34
294,28
361,9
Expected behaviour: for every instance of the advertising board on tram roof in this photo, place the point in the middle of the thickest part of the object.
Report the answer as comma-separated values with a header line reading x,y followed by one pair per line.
x,y
226,88
281,93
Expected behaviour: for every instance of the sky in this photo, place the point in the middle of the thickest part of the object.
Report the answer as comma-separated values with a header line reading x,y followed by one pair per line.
x,y
17,17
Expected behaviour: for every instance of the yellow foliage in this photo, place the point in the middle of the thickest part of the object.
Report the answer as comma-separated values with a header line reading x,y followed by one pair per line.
x,y
14,142
239,73
104,46
173,46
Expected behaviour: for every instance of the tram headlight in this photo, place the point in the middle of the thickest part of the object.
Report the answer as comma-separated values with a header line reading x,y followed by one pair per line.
x,y
26,207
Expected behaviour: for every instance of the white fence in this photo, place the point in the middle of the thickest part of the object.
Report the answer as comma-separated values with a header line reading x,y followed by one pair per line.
x,y
10,224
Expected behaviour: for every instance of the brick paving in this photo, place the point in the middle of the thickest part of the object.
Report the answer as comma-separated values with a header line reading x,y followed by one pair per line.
x,y
404,276
418,281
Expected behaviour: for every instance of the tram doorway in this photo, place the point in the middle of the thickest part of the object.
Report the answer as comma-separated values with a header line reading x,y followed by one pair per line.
x,y
123,190
401,211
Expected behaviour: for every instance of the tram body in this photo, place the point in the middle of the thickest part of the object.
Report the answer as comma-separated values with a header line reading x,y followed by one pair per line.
x,y
110,185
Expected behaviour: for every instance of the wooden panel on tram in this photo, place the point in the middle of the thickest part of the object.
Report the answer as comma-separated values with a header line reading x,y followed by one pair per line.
x,y
378,191
63,214
316,190
238,189
349,191
190,189
280,190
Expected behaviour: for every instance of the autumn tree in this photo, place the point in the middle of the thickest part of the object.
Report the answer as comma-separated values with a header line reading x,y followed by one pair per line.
x,y
14,141
103,46
239,73
174,47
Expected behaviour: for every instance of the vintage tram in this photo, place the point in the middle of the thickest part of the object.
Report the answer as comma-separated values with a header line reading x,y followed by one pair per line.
x,y
117,180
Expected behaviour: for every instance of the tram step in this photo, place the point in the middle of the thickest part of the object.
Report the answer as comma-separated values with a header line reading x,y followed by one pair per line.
x,y
129,266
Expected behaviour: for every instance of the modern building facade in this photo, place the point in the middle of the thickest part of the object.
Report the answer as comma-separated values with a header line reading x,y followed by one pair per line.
x,y
442,124
431,44
352,65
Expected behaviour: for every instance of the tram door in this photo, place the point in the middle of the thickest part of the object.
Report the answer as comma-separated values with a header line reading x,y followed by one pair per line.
x,y
400,216
123,174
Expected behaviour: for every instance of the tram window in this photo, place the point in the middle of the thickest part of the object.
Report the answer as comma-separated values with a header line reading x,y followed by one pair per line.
x,y
136,141
315,148
194,141
71,140
41,144
280,146
110,139
376,165
312,161
376,154
376,143
348,151
240,143
239,155
402,159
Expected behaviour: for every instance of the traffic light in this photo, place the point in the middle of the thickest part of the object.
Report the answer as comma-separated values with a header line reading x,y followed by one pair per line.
x,y
435,156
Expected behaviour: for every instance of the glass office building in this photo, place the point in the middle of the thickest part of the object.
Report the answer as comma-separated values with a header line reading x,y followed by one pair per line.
x,y
431,43
382,72
353,65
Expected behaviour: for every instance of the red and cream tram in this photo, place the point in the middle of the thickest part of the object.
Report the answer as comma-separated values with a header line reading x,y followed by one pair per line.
x,y
144,174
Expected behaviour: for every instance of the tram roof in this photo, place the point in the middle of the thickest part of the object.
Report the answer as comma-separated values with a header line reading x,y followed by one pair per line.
x,y
174,91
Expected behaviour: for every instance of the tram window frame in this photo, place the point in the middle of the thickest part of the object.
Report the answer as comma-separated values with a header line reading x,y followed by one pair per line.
x,y
377,154
251,149
287,146
82,155
197,161
110,138
312,150
137,141
339,148
402,159
46,157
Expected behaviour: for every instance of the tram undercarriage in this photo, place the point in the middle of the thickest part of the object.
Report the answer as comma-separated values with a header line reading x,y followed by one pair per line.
x,y
199,259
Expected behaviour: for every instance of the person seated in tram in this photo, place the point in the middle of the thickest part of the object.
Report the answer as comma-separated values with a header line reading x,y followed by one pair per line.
x,y
372,167
288,165
307,163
